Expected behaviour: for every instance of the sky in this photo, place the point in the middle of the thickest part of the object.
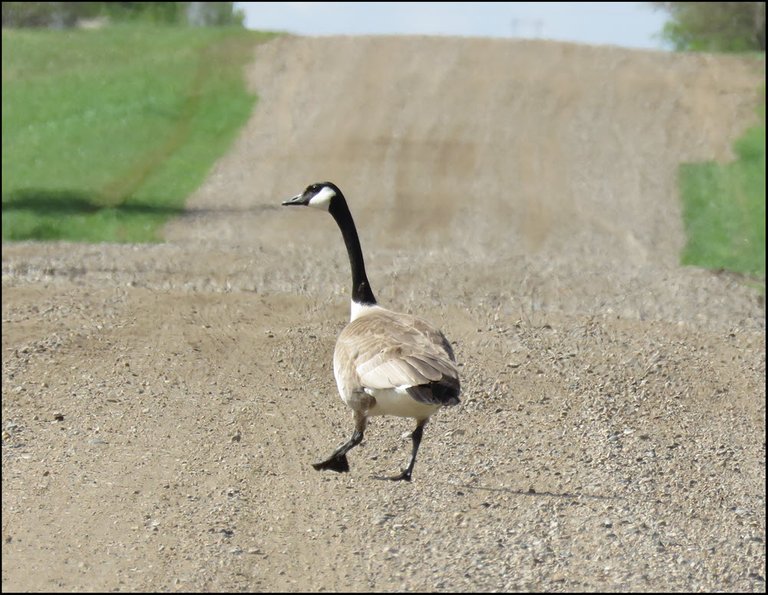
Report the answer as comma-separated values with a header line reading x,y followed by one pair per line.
x,y
628,24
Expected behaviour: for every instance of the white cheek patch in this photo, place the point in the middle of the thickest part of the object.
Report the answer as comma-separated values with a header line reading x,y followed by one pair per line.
x,y
322,200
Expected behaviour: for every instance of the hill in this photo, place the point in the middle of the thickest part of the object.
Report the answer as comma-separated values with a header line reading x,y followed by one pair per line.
x,y
162,404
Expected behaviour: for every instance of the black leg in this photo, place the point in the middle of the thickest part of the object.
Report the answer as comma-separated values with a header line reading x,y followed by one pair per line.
x,y
416,438
338,459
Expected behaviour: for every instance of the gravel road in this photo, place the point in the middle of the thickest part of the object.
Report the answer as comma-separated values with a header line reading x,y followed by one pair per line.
x,y
161,404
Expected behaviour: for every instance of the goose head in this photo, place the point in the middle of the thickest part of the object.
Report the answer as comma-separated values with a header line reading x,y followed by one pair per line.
x,y
321,195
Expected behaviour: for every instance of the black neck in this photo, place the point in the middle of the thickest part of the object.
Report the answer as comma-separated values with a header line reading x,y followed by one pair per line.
x,y
361,288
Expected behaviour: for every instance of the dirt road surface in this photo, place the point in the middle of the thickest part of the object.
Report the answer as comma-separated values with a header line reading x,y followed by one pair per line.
x,y
162,404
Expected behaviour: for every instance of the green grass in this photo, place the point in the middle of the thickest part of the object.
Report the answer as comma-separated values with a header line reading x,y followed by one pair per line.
x,y
724,208
106,133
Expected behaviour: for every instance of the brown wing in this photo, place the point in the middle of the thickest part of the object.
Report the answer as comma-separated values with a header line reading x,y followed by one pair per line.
x,y
401,351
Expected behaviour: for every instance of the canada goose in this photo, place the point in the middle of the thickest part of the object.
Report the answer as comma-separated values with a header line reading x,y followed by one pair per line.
x,y
385,363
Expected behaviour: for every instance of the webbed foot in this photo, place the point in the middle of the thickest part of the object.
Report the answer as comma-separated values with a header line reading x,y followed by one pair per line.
x,y
404,476
337,463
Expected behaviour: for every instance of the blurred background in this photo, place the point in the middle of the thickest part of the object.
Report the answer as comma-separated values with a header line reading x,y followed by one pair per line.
x,y
627,24
114,112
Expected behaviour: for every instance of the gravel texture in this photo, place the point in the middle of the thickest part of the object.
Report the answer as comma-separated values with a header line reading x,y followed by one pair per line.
x,y
162,404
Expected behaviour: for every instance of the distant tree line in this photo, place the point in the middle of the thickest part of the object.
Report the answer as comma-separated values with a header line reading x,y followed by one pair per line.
x,y
715,26
69,14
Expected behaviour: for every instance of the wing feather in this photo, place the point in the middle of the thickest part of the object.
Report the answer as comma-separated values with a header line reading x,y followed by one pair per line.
x,y
383,350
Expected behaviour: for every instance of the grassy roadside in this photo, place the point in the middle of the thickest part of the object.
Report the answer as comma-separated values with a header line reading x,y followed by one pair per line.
x,y
106,133
724,208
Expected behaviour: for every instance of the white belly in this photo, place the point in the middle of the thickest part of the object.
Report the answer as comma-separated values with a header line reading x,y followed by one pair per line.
x,y
396,401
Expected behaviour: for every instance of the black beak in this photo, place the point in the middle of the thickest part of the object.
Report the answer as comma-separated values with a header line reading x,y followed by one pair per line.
x,y
298,200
